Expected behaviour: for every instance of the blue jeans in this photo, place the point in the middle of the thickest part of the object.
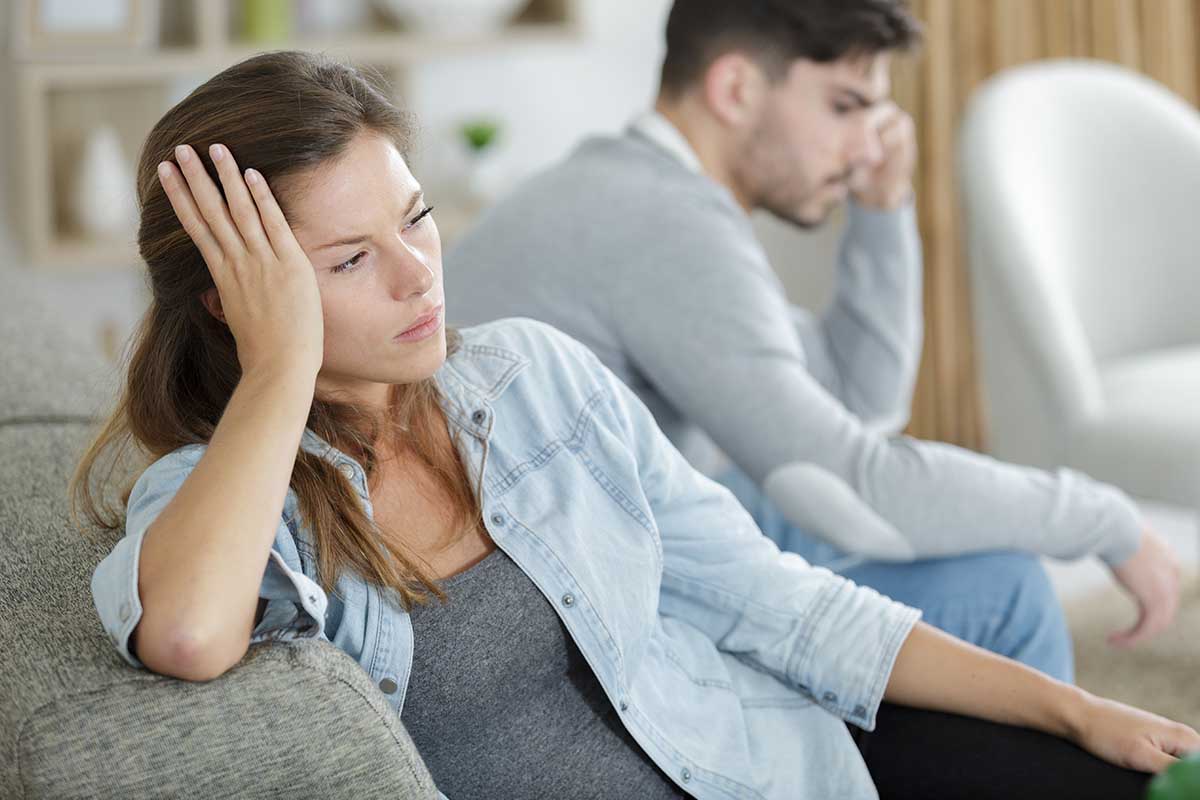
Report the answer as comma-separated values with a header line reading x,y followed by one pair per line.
x,y
1001,601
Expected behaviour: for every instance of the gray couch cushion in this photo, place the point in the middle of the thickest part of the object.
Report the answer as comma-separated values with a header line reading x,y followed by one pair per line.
x,y
76,721
51,369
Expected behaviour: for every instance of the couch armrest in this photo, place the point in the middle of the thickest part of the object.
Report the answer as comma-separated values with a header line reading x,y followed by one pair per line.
x,y
292,719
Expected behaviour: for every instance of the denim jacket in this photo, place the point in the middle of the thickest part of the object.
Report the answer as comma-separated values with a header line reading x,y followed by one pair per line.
x,y
731,664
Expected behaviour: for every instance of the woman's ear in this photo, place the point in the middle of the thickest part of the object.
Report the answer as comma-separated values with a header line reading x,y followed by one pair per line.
x,y
212,301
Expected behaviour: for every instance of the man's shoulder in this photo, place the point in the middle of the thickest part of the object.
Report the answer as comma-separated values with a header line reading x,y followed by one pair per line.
x,y
612,175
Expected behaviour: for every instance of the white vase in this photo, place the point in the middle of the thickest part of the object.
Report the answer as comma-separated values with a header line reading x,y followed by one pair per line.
x,y
452,18
487,177
328,17
102,197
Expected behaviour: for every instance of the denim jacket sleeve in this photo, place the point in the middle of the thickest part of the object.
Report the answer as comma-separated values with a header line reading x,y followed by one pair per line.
x,y
295,603
814,630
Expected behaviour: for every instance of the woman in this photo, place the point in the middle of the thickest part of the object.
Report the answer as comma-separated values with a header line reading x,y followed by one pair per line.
x,y
489,522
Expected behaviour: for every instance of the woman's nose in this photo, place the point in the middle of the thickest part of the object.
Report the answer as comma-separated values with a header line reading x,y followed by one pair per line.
x,y
410,275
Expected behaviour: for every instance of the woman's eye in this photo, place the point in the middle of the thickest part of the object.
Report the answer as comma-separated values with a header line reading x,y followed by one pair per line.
x,y
349,264
417,219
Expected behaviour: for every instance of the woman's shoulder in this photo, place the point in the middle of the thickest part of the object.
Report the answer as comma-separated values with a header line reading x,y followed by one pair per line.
x,y
528,340
540,362
168,469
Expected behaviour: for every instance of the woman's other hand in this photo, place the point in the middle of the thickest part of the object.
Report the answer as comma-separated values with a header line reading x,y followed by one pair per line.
x,y
1130,737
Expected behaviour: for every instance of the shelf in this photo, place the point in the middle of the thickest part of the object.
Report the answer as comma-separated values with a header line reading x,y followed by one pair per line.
x,y
60,93
385,49
76,254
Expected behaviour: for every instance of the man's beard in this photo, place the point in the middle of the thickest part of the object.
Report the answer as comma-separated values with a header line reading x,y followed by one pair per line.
x,y
788,211
779,197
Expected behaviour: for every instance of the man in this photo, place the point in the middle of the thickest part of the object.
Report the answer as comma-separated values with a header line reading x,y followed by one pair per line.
x,y
641,247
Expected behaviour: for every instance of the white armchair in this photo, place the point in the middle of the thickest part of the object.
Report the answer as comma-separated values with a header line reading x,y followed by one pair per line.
x,y
1082,189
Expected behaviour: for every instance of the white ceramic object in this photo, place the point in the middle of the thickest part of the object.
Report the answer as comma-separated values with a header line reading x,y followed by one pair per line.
x,y
452,17
327,17
102,199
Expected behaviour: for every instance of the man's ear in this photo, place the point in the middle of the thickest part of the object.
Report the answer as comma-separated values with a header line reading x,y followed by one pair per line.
x,y
735,88
212,301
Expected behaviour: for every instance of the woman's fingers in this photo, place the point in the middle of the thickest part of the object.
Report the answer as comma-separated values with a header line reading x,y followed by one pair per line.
x,y
274,223
1154,760
241,205
208,199
189,215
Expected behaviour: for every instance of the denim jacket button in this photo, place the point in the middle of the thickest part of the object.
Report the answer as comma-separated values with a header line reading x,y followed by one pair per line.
x,y
829,697
387,686
624,706
860,712
124,612
479,417
568,600
685,775
498,520
347,470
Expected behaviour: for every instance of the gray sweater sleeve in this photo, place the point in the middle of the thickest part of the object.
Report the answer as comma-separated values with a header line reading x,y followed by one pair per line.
x,y
865,348
726,353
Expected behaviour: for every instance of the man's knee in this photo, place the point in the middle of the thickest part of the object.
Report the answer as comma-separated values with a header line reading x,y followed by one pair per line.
x,y
1003,602
1034,629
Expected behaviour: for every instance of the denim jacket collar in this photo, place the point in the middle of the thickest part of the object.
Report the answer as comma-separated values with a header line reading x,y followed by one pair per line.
x,y
472,378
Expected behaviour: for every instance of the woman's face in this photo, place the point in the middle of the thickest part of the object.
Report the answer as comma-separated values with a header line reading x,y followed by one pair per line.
x,y
363,222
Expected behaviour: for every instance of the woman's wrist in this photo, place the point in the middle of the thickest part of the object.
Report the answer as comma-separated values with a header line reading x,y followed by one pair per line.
x,y
290,377
1066,709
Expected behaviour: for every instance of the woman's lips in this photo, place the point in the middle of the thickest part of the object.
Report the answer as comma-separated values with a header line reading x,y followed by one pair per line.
x,y
424,327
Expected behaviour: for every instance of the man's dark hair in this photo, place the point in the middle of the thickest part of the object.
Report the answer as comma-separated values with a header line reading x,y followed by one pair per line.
x,y
777,32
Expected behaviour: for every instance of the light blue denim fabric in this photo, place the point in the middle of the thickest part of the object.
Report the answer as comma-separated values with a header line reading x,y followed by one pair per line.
x,y
1001,601
731,664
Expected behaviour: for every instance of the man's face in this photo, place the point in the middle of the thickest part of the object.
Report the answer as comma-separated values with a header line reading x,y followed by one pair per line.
x,y
818,126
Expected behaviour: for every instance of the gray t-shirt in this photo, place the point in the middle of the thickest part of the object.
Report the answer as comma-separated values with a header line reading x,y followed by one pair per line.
x,y
656,268
501,702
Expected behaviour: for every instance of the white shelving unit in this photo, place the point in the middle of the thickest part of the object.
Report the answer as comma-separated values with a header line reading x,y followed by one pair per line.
x,y
60,93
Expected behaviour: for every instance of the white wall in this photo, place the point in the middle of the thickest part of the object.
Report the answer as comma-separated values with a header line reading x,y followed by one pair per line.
x,y
548,96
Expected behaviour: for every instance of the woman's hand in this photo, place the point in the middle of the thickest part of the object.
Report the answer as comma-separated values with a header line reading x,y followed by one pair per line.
x,y
266,284
1129,737
934,670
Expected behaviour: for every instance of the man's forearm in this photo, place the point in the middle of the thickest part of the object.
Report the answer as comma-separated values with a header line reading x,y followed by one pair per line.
x,y
871,334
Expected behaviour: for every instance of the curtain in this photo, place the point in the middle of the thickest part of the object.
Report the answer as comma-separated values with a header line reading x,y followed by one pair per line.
x,y
966,42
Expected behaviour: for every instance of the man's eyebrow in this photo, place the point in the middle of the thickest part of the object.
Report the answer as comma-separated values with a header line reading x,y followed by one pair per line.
x,y
860,99
417,196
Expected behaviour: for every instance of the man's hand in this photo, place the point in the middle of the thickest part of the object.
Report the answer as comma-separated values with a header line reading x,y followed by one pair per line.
x,y
1152,577
887,184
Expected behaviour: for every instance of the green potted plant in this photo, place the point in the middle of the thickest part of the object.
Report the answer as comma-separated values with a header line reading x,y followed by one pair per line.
x,y
482,180
1181,781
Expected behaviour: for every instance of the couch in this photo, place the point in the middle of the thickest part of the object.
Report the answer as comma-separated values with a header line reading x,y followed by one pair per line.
x,y
292,720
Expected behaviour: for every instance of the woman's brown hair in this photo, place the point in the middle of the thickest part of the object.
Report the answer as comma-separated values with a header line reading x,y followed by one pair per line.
x,y
284,114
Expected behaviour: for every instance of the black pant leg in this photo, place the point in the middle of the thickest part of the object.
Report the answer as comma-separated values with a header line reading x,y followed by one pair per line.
x,y
927,755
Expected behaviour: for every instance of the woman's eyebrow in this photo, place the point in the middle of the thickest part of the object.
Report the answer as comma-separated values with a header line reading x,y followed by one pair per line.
x,y
416,197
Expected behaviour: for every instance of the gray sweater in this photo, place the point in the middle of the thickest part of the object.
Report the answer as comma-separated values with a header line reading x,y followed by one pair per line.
x,y
656,268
